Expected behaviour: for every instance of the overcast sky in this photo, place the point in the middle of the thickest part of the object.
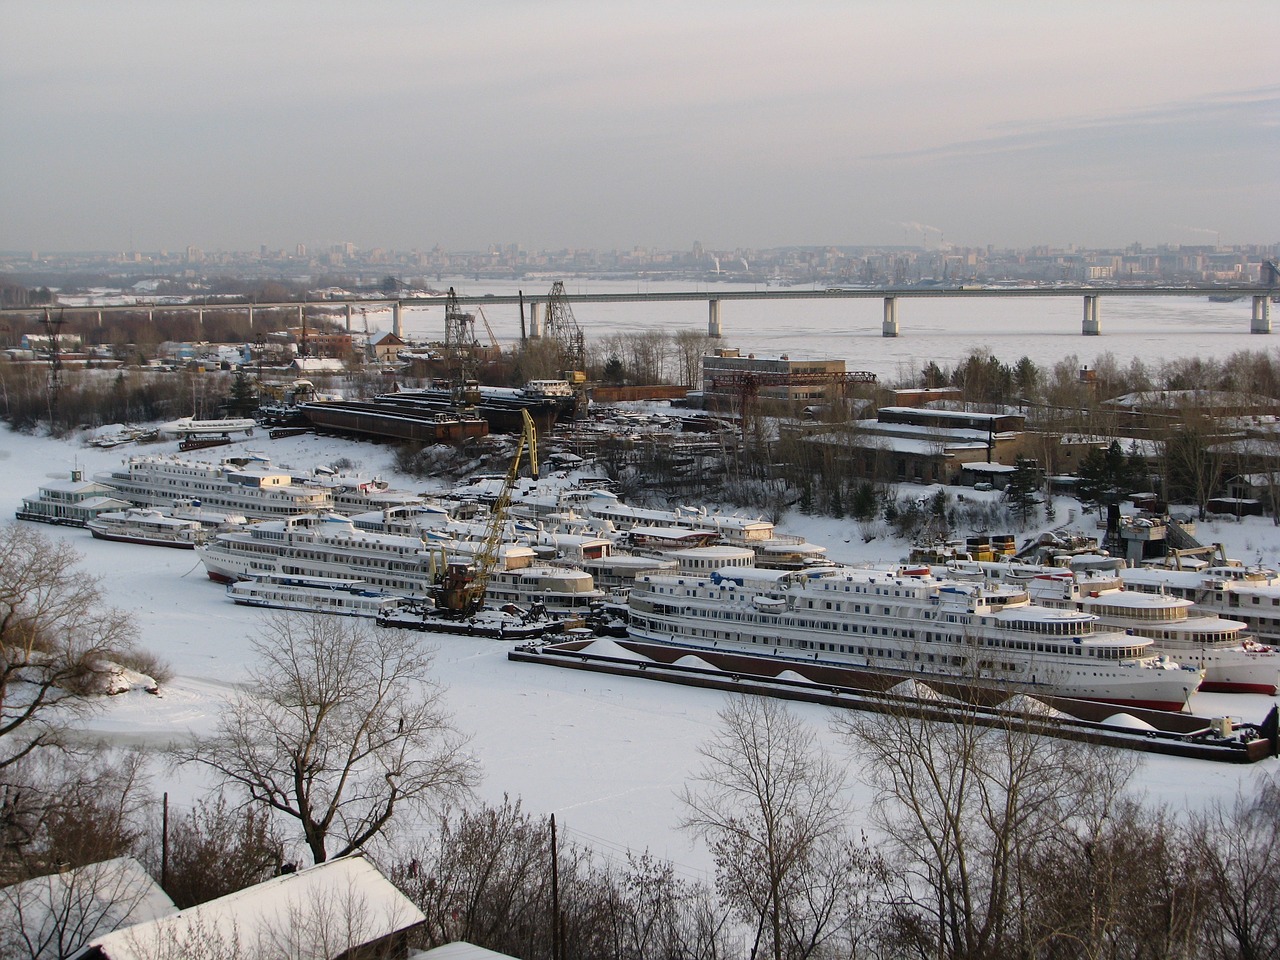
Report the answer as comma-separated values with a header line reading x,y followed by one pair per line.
x,y
559,123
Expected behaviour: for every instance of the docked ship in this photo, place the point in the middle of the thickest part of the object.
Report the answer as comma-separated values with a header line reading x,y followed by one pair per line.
x,y
547,402
903,622
72,502
560,588
147,526
322,545
403,565
242,485
1233,661
329,595
387,421
1248,594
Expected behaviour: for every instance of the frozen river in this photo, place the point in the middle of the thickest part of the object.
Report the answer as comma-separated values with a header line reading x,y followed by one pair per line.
x,y
944,330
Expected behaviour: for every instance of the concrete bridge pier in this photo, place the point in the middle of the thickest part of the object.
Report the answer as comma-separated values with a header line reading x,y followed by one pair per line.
x,y
251,316
348,319
890,326
200,316
397,321
99,318
1261,322
1091,326
714,329
537,314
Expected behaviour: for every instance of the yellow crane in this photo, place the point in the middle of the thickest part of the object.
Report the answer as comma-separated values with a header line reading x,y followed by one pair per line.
x,y
462,586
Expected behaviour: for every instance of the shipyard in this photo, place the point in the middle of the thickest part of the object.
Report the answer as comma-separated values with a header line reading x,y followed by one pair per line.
x,y
603,482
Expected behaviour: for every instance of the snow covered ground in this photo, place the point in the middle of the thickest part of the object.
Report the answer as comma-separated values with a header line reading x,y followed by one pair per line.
x,y
605,754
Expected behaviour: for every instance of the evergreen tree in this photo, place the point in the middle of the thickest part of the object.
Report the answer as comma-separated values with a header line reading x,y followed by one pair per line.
x,y
1105,478
1021,490
806,498
244,398
614,371
863,506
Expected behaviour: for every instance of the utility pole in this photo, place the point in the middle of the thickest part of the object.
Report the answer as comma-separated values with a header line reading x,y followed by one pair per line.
x,y
164,845
555,894
54,329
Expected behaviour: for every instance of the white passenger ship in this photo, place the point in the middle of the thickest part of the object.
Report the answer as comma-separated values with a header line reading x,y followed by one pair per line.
x,y
146,526
330,595
1232,660
1249,594
331,545
322,545
71,503
245,485
904,622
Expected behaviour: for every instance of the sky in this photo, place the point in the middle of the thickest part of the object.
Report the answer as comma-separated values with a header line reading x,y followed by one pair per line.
x,y
145,125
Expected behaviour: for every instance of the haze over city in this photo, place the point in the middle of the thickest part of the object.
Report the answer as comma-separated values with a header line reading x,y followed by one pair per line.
x,y
143,125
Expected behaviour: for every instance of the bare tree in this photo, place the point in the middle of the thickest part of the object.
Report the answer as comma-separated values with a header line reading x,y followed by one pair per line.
x,y
55,916
344,725
485,879
965,808
1240,844
647,355
773,807
56,638
690,347
1125,881
217,849
69,823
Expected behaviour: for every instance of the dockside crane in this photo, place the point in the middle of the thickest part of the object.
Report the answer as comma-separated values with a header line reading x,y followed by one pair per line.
x,y
460,352
571,349
461,588
563,328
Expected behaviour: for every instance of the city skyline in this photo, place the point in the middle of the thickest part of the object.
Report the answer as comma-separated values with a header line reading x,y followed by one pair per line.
x,y
147,126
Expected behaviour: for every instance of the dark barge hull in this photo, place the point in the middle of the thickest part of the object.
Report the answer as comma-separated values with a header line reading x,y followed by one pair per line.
x,y
504,414
1173,734
384,422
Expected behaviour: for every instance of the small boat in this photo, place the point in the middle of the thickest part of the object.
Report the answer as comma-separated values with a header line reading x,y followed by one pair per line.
x,y
146,526
333,595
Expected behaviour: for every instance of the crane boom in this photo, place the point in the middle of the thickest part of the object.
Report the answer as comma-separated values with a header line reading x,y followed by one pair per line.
x,y
463,585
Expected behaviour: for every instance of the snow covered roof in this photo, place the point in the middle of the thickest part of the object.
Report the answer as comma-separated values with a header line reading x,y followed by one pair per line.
x,y
315,914
459,951
1163,399
987,467
58,914
318,365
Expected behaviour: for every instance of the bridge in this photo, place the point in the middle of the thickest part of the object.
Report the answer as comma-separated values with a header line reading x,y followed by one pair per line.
x,y
1090,294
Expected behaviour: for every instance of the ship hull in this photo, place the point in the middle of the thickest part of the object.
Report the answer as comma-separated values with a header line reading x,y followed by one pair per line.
x,y
1147,691
383,421
141,539
906,622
